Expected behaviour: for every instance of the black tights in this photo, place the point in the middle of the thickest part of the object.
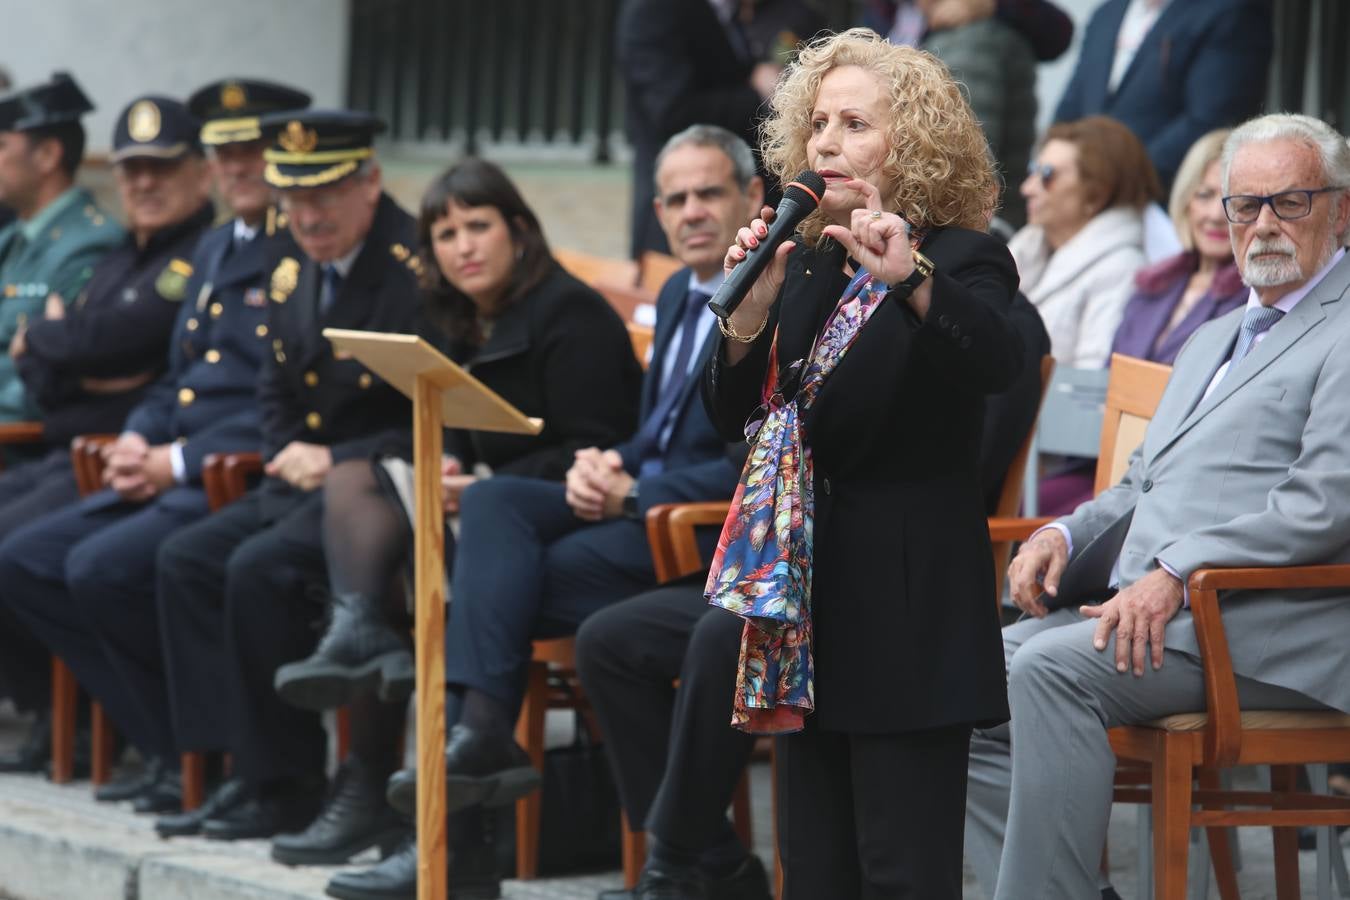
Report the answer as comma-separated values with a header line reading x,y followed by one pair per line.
x,y
366,535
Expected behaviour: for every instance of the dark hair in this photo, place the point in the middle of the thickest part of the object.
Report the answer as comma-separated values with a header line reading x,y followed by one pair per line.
x,y
1112,163
477,182
70,135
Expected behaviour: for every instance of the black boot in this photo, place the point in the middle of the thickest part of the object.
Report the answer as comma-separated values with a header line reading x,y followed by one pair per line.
x,y
36,750
359,652
223,799
480,768
164,795
268,810
132,786
472,870
354,818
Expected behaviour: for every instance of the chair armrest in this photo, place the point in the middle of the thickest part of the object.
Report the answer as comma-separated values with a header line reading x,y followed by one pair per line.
x,y
1223,733
1013,529
20,432
671,534
86,459
226,476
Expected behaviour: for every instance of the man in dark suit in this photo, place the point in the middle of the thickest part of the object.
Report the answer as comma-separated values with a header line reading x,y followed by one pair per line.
x,y
89,359
100,617
1171,70
683,61
536,557
675,756
240,580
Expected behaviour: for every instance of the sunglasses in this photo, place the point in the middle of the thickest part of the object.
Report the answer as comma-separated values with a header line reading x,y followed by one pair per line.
x,y
1044,171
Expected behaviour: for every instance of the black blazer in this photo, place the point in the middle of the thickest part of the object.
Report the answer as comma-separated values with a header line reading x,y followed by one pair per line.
x,y
305,393
561,354
906,628
679,69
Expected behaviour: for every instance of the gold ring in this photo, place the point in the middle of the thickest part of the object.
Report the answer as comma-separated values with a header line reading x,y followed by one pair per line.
x,y
876,214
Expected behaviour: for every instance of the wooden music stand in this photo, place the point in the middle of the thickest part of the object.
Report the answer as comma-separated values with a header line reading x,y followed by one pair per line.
x,y
443,395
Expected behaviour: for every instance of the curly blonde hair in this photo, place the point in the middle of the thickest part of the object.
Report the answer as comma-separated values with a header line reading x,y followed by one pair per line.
x,y
938,165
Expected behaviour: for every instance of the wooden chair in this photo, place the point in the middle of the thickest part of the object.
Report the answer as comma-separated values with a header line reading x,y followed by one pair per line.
x,y
655,269
594,269
19,433
86,459
641,336
1010,495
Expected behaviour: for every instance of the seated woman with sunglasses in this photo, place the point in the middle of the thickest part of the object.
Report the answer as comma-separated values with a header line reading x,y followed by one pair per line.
x,y
1084,241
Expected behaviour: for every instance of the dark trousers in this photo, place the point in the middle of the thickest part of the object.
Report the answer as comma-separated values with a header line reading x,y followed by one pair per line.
x,y
83,580
27,492
674,753
237,600
525,567
872,816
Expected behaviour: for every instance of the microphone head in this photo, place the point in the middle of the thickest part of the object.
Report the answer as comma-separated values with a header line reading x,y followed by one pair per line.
x,y
806,190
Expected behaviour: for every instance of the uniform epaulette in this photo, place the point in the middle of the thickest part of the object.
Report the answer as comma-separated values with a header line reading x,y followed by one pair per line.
x,y
401,253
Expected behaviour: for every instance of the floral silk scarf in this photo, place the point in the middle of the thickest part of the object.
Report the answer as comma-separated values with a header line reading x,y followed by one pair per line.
x,y
762,568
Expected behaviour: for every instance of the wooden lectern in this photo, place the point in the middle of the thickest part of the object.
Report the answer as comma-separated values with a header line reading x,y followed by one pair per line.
x,y
443,395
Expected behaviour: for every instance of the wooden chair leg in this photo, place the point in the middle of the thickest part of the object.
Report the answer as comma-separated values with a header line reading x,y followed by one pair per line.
x,y
101,737
530,735
1285,779
65,693
634,853
1171,819
194,780
740,812
343,726
1220,844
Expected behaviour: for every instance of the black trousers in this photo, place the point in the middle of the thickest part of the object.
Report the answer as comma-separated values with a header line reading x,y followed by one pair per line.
x,y
82,579
674,753
872,816
236,600
27,492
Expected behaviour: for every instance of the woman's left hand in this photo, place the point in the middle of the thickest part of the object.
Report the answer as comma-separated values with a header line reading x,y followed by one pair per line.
x,y
879,241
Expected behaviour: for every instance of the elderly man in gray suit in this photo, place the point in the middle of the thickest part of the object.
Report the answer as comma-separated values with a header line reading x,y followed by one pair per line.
x,y
1246,463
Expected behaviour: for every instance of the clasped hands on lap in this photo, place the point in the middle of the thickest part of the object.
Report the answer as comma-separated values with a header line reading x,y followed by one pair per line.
x,y
1138,614
597,484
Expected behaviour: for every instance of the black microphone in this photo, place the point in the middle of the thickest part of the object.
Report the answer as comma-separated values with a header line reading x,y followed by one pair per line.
x,y
799,201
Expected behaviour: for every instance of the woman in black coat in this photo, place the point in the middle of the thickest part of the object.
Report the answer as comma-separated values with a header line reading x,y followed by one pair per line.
x,y
498,304
863,556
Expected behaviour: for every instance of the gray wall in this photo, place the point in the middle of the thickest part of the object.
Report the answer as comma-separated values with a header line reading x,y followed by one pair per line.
x,y
117,49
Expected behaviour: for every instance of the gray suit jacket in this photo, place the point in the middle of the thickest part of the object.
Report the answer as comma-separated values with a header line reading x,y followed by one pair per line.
x,y
1258,474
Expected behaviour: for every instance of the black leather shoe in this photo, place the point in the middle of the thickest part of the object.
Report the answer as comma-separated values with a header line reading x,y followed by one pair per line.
x,y
480,768
36,751
471,871
133,786
224,798
165,795
661,882
278,808
354,818
1109,893
359,652
750,881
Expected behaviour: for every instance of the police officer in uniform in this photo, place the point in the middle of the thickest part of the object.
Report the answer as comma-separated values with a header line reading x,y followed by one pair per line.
x,y
101,618
256,564
87,360
60,232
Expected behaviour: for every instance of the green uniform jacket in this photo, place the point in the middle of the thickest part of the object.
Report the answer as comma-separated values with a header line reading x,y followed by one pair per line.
x,y
55,252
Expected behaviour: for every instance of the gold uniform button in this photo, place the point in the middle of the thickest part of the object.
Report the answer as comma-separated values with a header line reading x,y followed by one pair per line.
x,y
186,396
365,380
193,324
261,331
312,379
216,310
281,358
213,356
313,421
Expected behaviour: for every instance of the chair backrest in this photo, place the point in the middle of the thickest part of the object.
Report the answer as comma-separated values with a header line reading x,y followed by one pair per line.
x,y
595,270
655,269
1132,395
641,336
1010,494
631,303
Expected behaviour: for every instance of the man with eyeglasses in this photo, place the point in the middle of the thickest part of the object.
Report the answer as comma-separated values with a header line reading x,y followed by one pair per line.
x,y
1243,465
254,567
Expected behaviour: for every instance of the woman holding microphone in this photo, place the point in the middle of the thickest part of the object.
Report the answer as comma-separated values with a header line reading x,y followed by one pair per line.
x,y
856,546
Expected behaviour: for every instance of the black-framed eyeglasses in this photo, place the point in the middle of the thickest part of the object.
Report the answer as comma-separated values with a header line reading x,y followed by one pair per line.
x,y
1044,171
1243,209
